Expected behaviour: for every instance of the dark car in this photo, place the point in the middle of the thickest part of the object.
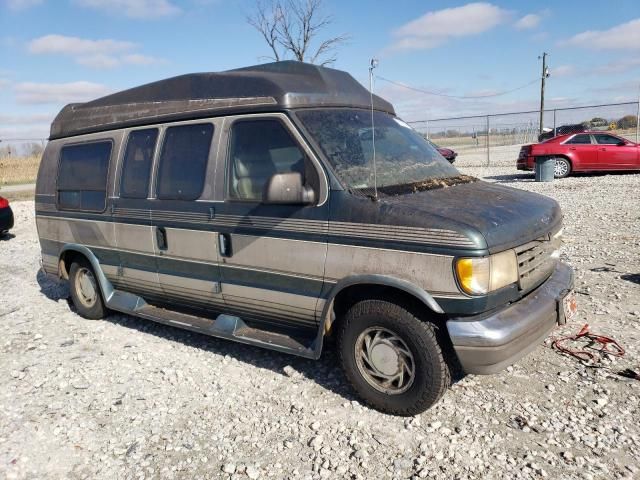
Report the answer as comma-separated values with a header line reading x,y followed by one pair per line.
x,y
583,152
445,152
561,130
6,216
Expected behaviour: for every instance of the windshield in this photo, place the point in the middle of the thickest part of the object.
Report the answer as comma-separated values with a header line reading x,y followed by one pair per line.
x,y
403,156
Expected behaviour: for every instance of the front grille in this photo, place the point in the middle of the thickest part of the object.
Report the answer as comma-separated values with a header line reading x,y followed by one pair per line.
x,y
535,262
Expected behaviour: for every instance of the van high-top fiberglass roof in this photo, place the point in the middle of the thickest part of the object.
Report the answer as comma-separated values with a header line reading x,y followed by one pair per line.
x,y
261,88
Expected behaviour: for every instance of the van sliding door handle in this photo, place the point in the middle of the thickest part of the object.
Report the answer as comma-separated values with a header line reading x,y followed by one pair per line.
x,y
224,244
161,238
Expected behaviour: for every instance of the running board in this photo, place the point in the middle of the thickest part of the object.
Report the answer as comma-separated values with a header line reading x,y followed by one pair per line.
x,y
228,327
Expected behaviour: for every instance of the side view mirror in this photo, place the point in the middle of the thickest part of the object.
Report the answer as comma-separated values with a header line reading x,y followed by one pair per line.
x,y
621,143
287,188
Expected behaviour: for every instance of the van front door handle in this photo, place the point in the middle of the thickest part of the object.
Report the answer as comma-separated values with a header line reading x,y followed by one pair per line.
x,y
224,245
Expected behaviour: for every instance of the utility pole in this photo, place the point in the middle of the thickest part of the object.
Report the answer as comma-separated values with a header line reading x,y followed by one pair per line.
x,y
545,74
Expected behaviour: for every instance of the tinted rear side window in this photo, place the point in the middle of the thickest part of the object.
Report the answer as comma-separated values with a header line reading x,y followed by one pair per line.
x,y
183,161
606,139
137,163
580,139
82,176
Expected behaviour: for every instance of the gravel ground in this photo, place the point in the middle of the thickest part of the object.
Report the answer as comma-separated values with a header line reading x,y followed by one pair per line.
x,y
126,398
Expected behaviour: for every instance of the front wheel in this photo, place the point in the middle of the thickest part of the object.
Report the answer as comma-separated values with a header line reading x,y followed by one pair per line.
x,y
562,168
391,358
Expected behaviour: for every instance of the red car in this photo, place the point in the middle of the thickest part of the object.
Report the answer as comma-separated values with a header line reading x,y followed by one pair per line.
x,y
583,152
6,216
445,152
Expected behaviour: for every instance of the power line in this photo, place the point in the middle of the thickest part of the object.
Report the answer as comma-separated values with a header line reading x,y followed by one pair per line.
x,y
408,87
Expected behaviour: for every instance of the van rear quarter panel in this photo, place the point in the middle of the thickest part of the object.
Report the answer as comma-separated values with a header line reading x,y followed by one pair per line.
x,y
54,227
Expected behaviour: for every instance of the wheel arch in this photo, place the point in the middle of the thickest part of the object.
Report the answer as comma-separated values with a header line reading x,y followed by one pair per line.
x,y
72,251
566,156
358,287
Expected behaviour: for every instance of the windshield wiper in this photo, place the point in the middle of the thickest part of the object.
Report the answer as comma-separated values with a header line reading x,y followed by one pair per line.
x,y
367,192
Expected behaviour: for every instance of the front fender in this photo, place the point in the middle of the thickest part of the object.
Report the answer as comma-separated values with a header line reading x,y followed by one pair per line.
x,y
382,280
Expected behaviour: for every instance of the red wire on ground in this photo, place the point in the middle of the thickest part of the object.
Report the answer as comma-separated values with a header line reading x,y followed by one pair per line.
x,y
607,345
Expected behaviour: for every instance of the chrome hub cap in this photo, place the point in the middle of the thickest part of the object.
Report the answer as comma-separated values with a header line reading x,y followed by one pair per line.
x,y
86,287
384,361
561,168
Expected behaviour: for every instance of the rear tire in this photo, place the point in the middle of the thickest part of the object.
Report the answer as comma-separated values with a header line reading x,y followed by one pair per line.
x,y
391,358
85,290
562,168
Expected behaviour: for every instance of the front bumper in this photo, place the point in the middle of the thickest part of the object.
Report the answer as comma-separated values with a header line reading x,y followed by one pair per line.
x,y
487,343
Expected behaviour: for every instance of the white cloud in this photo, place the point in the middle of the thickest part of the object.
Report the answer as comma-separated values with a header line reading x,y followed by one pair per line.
x,y
618,66
625,36
98,61
65,45
435,28
56,93
529,21
144,9
99,54
22,4
563,71
30,119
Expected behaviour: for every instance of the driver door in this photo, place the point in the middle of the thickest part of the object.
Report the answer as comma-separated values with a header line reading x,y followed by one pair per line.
x,y
612,155
272,256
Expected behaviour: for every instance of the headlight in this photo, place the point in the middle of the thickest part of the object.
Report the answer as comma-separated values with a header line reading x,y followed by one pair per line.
x,y
478,276
556,242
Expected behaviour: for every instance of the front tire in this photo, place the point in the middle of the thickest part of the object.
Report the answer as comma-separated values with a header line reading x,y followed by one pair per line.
x,y
562,168
85,291
391,358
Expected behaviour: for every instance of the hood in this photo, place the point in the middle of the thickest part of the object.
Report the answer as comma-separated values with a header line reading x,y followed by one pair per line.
x,y
505,217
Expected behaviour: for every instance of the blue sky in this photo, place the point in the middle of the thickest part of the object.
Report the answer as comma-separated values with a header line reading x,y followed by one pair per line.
x,y
56,52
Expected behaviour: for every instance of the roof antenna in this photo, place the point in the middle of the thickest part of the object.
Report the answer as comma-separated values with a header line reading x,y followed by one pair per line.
x,y
373,64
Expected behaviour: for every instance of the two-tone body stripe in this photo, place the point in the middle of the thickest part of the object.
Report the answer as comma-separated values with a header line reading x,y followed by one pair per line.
x,y
279,281
399,234
336,231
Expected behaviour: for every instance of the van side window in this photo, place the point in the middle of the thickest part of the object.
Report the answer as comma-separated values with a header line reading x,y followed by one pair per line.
x,y
258,150
137,161
82,176
183,161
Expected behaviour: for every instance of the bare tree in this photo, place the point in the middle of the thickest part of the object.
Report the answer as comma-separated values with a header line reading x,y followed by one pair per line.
x,y
290,28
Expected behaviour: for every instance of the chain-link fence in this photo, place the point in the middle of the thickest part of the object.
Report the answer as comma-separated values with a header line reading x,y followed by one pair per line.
x,y
495,140
481,140
20,159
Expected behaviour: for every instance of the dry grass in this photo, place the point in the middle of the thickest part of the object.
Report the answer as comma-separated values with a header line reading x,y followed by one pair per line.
x,y
16,170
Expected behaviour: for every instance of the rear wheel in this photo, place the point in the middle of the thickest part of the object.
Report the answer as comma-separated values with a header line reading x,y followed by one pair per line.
x,y
391,358
85,291
562,168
